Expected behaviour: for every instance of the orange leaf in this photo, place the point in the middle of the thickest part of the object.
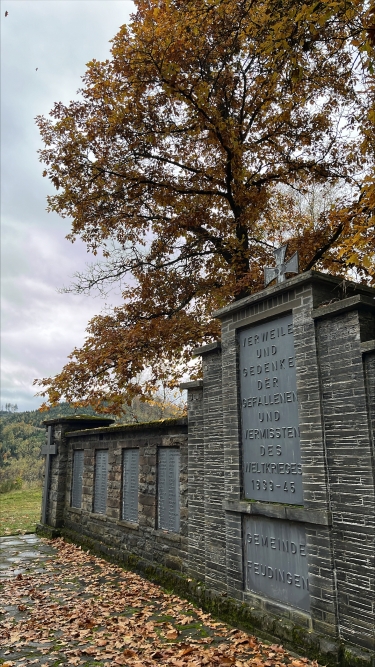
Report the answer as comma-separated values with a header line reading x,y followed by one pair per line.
x,y
186,651
171,634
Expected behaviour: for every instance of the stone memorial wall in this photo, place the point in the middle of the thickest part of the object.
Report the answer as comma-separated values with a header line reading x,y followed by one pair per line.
x,y
104,486
263,502
287,401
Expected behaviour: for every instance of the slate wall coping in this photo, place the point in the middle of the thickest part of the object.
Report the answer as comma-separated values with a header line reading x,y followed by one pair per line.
x,y
162,424
368,346
301,279
82,419
193,384
338,307
204,349
278,511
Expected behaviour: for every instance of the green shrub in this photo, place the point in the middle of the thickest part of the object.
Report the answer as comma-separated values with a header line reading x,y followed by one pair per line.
x,y
11,485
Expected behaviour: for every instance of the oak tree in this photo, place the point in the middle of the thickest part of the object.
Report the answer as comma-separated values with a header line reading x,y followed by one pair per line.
x,y
180,161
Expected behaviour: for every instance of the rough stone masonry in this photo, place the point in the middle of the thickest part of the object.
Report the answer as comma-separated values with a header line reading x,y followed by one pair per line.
x,y
261,505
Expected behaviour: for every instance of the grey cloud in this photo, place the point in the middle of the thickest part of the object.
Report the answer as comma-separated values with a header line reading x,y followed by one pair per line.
x,y
39,325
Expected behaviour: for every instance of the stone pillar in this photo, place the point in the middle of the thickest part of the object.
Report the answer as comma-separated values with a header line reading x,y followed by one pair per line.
x,y
56,475
196,509
368,353
334,516
233,488
350,460
215,548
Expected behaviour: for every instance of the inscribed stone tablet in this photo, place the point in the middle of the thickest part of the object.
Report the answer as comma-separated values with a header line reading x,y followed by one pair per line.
x,y
269,413
101,480
169,489
130,476
76,499
276,560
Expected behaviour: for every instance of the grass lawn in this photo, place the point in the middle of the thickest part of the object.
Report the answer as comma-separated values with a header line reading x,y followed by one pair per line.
x,y
20,511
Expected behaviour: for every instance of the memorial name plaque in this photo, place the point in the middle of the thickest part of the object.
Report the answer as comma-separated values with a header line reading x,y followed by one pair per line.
x,y
101,481
77,482
272,468
169,489
276,560
130,484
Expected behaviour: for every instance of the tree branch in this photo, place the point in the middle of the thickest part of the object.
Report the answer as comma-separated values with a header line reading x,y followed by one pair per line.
x,y
319,254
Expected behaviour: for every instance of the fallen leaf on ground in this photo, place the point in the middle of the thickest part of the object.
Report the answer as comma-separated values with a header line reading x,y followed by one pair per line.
x,y
97,613
172,634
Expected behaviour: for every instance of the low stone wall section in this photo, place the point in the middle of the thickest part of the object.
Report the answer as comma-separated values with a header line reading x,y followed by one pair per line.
x,y
144,538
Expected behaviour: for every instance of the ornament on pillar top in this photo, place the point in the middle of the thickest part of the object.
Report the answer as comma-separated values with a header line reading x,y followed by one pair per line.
x,y
282,267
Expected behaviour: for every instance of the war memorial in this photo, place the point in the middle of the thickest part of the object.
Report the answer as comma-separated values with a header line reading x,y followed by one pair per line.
x,y
260,506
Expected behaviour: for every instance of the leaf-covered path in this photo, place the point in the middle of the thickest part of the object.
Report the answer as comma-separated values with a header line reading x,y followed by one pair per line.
x,y
61,605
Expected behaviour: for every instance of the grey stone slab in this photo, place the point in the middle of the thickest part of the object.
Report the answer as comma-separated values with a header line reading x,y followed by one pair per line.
x,y
6,542
29,554
272,467
351,303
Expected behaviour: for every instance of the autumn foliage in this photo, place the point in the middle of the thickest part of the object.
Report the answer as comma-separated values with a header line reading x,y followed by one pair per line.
x,y
185,160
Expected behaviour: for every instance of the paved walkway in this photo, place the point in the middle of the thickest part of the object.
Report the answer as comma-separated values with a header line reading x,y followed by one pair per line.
x,y
19,556
60,605
19,552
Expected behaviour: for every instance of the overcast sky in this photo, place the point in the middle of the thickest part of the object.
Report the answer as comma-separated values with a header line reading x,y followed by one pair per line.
x,y
45,45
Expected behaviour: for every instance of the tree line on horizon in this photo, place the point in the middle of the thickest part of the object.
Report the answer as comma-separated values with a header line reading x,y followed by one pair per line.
x,y
23,434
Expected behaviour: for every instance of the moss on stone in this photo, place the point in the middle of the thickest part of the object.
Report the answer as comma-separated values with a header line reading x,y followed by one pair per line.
x,y
47,531
138,426
353,657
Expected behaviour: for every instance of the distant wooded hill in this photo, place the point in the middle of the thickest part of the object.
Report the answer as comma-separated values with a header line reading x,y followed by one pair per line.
x,y
22,435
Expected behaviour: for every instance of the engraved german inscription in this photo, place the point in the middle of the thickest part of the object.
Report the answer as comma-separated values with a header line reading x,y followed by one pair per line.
x,y
275,558
272,468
